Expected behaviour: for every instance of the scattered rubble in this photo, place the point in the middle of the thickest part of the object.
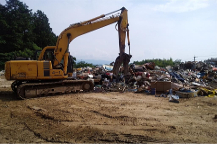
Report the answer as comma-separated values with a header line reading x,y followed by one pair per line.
x,y
2,72
185,81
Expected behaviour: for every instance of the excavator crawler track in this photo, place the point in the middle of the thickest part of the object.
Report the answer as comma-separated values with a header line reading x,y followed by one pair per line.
x,y
14,85
34,89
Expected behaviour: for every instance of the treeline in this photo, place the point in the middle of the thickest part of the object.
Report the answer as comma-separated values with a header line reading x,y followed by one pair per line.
x,y
212,61
22,32
158,62
83,64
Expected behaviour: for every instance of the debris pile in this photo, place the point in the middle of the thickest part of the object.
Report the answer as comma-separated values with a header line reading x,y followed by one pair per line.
x,y
2,72
185,81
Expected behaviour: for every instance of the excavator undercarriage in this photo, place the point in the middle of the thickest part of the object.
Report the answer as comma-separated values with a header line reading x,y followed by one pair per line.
x,y
33,89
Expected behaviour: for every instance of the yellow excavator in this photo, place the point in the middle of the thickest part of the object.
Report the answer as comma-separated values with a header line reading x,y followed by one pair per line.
x,y
51,73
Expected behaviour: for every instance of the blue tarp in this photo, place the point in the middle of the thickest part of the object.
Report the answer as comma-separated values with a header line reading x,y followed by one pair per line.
x,y
174,74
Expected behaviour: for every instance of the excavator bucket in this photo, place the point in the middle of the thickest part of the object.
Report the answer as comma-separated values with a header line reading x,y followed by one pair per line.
x,y
125,59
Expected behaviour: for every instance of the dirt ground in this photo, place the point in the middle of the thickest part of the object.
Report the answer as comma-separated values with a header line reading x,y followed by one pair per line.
x,y
106,117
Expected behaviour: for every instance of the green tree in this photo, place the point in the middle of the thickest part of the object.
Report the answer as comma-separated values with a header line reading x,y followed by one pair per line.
x,y
177,61
158,62
17,29
83,64
22,32
42,31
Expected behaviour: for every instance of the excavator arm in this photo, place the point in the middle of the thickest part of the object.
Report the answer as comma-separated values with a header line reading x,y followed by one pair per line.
x,y
123,57
61,50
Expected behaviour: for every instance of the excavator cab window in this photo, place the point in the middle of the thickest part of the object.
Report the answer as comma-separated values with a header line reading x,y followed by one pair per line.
x,y
49,55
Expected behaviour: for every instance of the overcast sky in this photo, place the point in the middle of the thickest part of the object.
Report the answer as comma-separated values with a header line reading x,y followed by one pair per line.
x,y
180,29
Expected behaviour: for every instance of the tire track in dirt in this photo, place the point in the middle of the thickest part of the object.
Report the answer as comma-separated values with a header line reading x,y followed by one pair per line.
x,y
107,137
81,134
127,138
44,114
132,120
39,135
145,125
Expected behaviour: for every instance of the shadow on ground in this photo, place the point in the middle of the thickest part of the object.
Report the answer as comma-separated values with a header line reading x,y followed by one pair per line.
x,y
7,95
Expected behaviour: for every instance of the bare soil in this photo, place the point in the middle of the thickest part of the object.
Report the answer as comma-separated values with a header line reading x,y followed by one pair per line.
x,y
106,117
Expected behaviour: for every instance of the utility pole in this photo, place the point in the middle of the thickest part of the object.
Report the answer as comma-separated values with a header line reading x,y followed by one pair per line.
x,y
194,58
194,64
